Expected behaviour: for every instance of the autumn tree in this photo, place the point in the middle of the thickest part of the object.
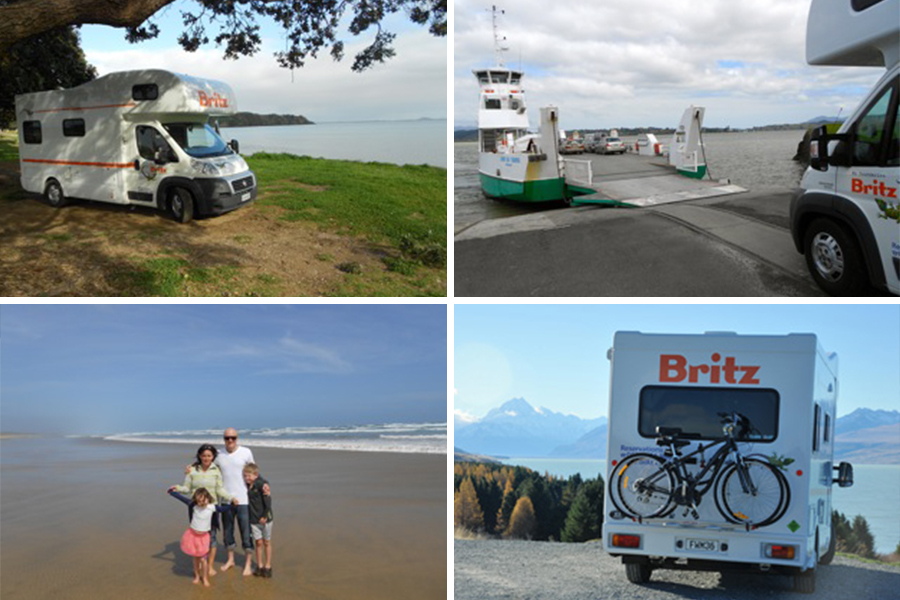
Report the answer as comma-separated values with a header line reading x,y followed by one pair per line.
x,y
506,507
310,26
522,524
466,510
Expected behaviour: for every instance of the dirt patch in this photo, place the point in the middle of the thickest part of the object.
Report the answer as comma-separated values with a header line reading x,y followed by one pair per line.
x,y
96,249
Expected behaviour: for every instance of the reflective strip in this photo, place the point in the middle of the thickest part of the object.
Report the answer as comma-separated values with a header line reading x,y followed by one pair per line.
x,y
86,107
81,164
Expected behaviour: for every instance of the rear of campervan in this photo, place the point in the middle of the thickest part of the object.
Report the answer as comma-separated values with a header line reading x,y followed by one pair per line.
x,y
786,385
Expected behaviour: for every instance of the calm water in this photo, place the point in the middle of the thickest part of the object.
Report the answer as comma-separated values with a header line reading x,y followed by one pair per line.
x,y
874,494
398,142
754,160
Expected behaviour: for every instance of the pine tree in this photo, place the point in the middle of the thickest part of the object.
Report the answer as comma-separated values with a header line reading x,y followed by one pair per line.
x,y
580,525
522,524
865,541
466,510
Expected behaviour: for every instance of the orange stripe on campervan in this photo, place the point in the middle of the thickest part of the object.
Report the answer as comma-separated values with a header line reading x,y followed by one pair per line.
x,y
86,107
81,164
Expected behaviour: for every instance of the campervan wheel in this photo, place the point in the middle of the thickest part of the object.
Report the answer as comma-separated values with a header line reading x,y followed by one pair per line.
x,y
54,195
181,205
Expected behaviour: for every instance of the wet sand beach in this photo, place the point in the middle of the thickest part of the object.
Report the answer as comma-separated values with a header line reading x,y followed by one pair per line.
x,y
86,518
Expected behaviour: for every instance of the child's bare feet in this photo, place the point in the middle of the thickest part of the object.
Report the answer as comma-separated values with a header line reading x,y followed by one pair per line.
x,y
248,571
206,583
196,580
212,571
227,565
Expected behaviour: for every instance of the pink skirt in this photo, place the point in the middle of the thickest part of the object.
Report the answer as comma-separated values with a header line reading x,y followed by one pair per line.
x,y
194,543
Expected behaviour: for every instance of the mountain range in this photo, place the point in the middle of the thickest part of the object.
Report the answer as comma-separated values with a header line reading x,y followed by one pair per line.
x,y
516,428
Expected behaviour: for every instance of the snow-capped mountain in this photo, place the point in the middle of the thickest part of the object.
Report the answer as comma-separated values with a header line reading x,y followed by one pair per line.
x,y
518,429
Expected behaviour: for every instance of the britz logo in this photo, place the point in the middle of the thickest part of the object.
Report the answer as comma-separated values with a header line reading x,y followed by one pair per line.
x,y
674,368
876,189
215,100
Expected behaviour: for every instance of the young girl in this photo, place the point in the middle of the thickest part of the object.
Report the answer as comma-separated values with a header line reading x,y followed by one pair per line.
x,y
205,474
195,541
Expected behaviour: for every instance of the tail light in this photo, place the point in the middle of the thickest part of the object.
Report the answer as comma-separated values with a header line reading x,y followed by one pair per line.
x,y
780,551
626,541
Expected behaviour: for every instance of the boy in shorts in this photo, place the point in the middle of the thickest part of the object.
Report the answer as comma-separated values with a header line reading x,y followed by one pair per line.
x,y
260,519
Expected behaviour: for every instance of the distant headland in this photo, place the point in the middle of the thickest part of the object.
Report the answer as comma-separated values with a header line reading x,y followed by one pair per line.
x,y
248,119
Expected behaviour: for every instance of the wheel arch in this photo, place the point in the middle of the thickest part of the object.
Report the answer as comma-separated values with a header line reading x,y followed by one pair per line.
x,y
812,205
162,191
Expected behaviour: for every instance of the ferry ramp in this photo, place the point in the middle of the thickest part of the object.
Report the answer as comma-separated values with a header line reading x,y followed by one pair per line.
x,y
639,181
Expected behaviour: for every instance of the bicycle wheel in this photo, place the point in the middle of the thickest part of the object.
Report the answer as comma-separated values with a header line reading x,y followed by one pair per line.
x,y
643,486
757,495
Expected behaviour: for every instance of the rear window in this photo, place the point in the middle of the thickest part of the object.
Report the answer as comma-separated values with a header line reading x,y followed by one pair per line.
x,y
695,410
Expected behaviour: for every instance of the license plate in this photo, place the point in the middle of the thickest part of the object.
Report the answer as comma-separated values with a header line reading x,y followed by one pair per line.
x,y
245,197
703,545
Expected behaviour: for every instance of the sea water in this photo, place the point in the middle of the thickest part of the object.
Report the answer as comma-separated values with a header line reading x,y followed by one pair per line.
x,y
398,142
873,495
427,438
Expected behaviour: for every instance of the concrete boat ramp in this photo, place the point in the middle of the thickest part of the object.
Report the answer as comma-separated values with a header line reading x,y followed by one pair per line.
x,y
638,181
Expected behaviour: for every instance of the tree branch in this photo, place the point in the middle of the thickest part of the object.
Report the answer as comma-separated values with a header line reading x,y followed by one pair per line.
x,y
21,20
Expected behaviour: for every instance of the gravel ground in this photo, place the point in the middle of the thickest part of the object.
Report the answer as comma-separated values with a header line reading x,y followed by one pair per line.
x,y
486,569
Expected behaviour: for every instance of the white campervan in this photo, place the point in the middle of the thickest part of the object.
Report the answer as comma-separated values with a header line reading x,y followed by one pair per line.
x,y
134,137
720,454
846,216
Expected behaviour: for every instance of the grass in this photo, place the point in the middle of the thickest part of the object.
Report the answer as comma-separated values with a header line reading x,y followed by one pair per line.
x,y
399,211
404,206
9,146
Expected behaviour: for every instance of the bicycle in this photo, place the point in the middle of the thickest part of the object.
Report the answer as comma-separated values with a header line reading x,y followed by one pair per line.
x,y
748,490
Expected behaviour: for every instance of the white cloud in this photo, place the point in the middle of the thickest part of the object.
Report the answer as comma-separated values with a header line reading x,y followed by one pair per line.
x,y
609,64
411,85
461,416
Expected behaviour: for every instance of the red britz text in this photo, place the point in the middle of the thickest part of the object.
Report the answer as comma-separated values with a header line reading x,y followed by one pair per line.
x,y
674,368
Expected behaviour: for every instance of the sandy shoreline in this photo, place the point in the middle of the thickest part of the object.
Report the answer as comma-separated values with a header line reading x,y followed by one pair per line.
x,y
94,521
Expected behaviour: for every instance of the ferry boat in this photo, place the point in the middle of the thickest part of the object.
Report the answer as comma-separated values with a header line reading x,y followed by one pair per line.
x,y
513,163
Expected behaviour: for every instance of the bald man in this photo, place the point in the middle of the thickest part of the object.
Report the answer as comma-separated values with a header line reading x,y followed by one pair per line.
x,y
231,462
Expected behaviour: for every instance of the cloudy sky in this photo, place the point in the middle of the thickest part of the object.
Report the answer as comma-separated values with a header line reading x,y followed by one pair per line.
x,y
555,355
627,63
411,85
100,369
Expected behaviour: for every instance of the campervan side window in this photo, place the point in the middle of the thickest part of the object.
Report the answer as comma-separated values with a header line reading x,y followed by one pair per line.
x,y
816,429
73,127
31,132
146,91
695,410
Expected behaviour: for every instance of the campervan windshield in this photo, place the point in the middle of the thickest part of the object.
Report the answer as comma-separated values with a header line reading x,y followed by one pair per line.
x,y
198,140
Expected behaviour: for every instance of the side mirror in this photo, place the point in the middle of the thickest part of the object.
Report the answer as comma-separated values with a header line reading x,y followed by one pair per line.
x,y
845,475
235,146
818,149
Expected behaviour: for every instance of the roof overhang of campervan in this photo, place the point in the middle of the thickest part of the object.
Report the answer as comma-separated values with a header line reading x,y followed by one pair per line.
x,y
136,95
862,33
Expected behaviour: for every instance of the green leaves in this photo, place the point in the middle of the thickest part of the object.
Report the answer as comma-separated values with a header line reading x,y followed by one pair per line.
x,y
779,461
